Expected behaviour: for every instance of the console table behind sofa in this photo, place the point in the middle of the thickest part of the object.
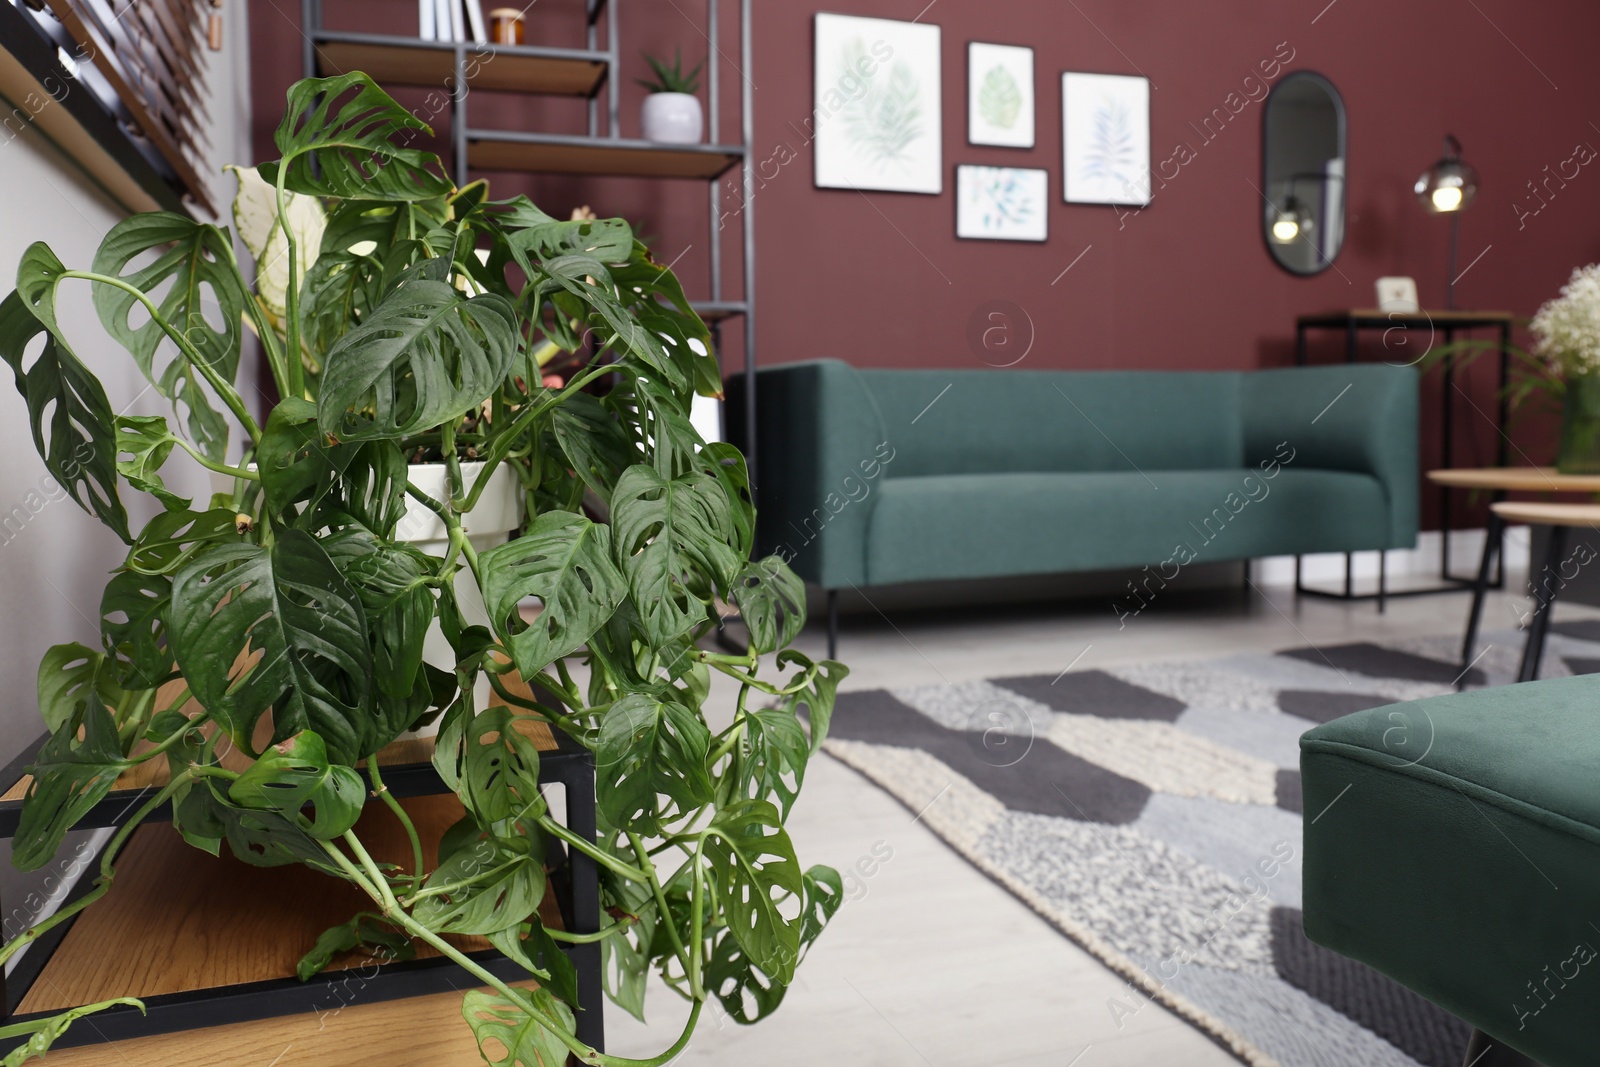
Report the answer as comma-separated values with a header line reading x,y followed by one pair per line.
x,y
875,477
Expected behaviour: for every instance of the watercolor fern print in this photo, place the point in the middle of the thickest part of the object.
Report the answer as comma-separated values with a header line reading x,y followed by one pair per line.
x,y
1105,139
886,119
999,100
877,107
1109,156
1001,203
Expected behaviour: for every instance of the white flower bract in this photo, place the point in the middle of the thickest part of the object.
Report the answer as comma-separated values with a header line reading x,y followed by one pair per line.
x,y
1567,328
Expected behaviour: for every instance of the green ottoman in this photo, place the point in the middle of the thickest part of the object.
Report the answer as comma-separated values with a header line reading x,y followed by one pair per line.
x,y
1454,844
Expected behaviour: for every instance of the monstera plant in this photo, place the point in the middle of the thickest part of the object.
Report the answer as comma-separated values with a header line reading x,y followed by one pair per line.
x,y
403,318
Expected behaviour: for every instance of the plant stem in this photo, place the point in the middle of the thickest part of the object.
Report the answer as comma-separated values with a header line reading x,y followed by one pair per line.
x,y
212,465
465,883
293,367
661,901
177,735
383,794
697,939
588,848
386,895
585,939
225,390
103,883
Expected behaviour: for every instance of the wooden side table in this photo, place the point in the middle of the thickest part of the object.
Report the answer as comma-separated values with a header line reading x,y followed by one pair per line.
x,y
1448,323
1501,480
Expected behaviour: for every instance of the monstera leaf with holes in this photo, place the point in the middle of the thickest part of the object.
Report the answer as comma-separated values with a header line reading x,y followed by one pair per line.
x,y
266,644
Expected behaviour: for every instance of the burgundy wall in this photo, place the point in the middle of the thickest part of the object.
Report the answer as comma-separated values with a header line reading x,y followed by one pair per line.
x,y
880,278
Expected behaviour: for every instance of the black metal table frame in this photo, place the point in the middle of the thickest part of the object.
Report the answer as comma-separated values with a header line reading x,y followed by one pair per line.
x,y
1353,323
578,895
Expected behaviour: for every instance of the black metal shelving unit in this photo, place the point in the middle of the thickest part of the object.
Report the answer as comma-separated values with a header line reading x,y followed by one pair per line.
x,y
577,895
589,73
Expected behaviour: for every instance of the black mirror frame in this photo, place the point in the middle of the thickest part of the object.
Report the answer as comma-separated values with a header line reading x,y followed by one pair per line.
x,y
1344,145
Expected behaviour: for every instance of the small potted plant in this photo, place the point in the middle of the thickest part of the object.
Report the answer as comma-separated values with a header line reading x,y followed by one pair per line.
x,y
404,319
672,112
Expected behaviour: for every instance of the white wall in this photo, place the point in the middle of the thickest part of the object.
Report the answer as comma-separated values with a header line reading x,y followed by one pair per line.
x,y
52,570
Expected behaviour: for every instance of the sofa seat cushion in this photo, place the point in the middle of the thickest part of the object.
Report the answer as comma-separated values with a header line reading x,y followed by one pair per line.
x,y
989,525
1454,845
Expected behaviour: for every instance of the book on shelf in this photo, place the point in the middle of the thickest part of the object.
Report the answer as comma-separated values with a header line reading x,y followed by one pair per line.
x,y
457,23
480,31
425,20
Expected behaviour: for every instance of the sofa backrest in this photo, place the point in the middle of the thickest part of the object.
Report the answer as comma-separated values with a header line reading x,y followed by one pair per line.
x,y
978,422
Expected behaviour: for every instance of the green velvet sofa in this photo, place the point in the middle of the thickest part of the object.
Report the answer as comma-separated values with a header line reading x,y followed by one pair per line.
x,y
1454,844
875,477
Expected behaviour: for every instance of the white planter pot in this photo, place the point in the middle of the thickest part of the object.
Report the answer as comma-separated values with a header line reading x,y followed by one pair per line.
x,y
673,118
490,523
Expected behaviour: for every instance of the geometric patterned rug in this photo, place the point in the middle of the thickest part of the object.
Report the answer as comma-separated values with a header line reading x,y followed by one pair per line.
x,y
1152,813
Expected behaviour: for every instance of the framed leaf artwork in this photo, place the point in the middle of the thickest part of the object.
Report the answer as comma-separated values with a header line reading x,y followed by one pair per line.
x,y
877,115
1002,203
999,95
1105,133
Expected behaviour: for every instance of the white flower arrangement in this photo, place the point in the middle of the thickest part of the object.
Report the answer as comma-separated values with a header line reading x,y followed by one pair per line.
x,y
1567,328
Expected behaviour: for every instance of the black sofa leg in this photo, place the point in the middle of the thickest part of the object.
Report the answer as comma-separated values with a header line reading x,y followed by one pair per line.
x,y
833,623
1485,1051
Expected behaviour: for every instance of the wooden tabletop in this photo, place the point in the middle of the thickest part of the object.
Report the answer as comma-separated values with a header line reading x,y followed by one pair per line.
x,y
1540,514
416,1032
1515,479
1378,316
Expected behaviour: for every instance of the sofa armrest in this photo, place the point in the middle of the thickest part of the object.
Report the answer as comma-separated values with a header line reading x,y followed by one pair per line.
x,y
821,456
1351,417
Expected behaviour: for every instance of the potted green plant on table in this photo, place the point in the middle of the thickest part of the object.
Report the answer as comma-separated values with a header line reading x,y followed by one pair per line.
x,y
671,113
294,614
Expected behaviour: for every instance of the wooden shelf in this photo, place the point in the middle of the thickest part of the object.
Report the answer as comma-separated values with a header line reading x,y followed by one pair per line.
x,y
178,920
408,61
415,1032
599,157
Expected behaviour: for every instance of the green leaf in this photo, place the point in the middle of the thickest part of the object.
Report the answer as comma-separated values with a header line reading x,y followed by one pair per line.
x,y
173,538
146,442
727,463
70,776
776,752
314,483
646,750
814,701
194,268
532,946
394,582
133,627
757,874
665,534
565,561
999,98
258,837
67,407
296,772
299,624
500,772
425,355
337,140
42,1033
594,442
510,888
625,956
517,1038
69,675
366,930
747,993
367,246
772,602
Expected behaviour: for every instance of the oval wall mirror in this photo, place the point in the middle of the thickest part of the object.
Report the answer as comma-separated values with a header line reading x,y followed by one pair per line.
x,y
1303,171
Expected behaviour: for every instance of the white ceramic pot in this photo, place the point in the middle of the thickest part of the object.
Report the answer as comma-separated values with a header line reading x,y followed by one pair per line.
x,y
673,118
490,523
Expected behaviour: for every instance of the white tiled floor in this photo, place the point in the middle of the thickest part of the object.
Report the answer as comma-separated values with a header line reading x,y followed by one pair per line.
x,y
935,964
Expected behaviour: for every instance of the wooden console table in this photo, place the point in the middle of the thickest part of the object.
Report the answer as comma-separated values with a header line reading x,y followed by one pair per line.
x,y
1448,323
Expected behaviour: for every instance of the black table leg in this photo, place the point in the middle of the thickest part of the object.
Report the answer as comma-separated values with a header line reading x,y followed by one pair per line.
x,y
1447,455
1383,581
1493,539
1544,598
833,623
